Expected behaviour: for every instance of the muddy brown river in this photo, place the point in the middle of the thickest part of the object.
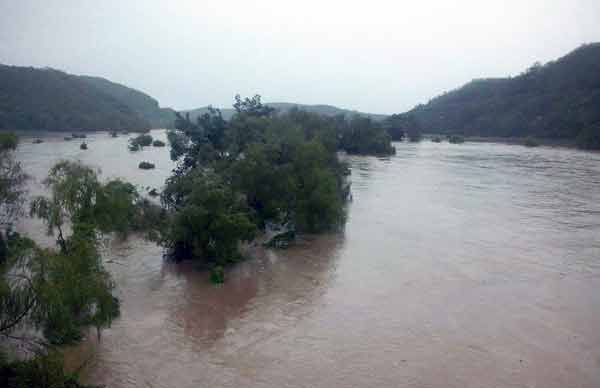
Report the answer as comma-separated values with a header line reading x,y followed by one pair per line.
x,y
473,265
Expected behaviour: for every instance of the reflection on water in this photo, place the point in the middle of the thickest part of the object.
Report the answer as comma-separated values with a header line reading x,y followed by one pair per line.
x,y
460,266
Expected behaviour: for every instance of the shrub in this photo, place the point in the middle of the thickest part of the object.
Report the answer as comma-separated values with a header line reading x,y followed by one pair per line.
x,y
456,139
531,142
217,274
139,142
158,143
146,165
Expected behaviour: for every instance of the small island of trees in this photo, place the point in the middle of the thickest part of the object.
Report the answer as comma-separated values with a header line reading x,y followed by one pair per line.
x,y
236,177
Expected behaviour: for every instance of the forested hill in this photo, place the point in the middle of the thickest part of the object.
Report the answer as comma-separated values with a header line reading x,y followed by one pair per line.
x,y
47,99
146,106
560,99
283,107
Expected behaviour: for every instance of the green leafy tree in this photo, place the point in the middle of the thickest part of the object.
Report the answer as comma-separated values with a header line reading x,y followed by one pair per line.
x,y
258,168
209,219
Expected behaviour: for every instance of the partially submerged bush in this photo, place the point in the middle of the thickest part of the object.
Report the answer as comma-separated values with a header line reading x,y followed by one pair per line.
x,y
217,274
158,143
83,146
146,165
531,142
139,142
456,139
436,139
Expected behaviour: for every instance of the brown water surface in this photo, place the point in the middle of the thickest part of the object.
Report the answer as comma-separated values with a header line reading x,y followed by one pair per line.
x,y
473,265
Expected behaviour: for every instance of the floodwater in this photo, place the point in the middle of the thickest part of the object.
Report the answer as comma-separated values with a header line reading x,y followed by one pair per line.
x,y
473,265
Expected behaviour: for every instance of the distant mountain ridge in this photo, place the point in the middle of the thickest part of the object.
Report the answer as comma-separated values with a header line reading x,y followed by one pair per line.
x,y
326,110
48,99
559,100
52,100
141,103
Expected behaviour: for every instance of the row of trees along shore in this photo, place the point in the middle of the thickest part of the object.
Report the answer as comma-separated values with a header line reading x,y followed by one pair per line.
x,y
233,178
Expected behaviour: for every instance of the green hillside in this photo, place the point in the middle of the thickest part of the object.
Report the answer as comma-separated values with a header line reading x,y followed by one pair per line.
x,y
558,100
146,106
47,99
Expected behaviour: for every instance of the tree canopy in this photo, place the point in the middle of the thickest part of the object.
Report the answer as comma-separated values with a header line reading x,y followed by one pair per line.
x,y
235,177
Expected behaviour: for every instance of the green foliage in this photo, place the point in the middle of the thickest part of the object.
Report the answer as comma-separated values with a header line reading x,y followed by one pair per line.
x,y
146,165
79,198
42,371
8,141
252,106
400,125
61,291
209,219
296,182
117,205
139,142
12,180
257,168
362,135
530,142
217,274
75,290
71,287
456,139
559,100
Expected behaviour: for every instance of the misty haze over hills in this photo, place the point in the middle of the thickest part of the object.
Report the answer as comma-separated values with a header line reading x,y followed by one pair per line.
x,y
559,100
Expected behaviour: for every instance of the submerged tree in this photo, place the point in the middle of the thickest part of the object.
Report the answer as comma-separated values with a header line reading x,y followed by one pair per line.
x,y
237,176
61,291
209,219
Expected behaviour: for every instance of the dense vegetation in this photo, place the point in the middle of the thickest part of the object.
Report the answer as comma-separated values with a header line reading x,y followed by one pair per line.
x,y
64,289
146,165
140,141
260,168
403,125
559,100
46,99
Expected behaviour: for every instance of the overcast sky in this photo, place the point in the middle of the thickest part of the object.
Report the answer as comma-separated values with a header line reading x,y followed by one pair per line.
x,y
373,56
